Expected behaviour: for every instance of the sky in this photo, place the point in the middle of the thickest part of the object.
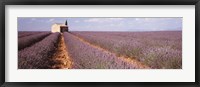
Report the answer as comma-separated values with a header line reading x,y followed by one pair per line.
x,y
101,24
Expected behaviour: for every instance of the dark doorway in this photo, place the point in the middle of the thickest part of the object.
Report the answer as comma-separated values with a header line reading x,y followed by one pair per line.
x,y
63,29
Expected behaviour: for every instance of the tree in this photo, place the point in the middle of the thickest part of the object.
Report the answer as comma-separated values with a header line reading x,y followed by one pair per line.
x,y
66,22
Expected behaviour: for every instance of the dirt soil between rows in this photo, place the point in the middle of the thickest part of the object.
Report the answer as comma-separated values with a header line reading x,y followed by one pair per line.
x,y
61,56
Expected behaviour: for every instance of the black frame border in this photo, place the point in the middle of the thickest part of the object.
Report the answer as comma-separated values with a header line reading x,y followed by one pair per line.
x,y
98,2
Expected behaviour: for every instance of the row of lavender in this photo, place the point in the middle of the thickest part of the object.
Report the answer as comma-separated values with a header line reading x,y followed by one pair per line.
x,y
38,55
155,49
31,39
27,33
85,56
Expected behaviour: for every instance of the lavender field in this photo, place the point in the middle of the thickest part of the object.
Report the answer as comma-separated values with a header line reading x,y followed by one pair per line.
x,y
100,50
29,38
155,49
38,55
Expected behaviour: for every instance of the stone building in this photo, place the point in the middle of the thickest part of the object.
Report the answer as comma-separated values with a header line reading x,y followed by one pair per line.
x,y
59,27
